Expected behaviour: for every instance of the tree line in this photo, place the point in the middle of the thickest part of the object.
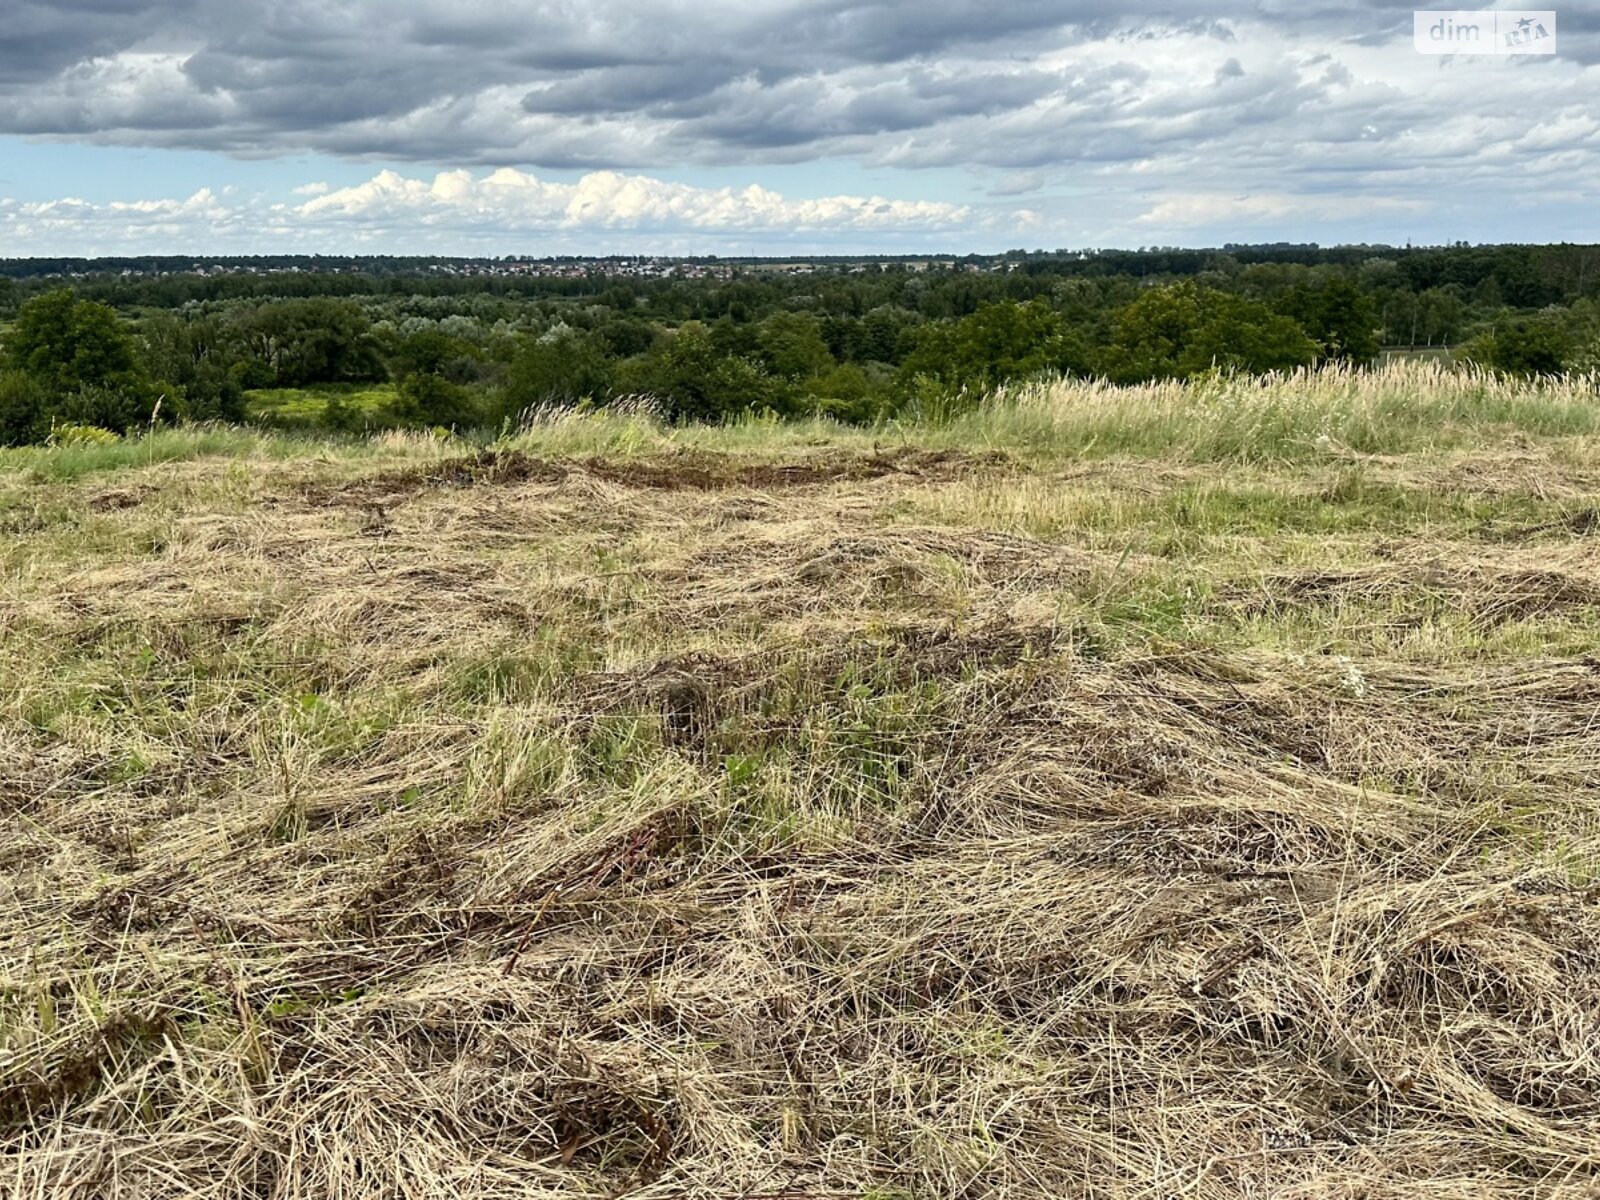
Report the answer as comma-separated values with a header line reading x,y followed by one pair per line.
x,y
120,351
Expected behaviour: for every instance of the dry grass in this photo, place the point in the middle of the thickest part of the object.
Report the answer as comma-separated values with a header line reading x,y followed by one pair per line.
x,y
789,816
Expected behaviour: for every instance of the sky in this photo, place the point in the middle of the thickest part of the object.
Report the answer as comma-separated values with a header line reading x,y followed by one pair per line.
x,y
776,127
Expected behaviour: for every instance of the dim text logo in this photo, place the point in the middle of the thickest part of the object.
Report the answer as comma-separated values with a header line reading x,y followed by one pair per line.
x,y
1486,31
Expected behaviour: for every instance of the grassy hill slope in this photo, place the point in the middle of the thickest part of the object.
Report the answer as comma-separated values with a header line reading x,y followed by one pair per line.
x,y
1171,791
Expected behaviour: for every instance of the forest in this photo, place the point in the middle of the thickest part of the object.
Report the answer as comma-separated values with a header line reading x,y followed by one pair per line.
x,y
353,345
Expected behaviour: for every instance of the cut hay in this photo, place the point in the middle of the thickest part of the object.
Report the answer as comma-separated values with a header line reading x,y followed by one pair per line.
x,y
577,834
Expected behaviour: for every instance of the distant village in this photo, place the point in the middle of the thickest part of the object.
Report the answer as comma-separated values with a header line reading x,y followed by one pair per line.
x,y
617,267
678,268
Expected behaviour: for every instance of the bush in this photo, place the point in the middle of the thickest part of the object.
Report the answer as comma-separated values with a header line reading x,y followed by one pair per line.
x,y
213,393
848,393
696,382
81,435
340,417
22,409
558,370
121,408
429,400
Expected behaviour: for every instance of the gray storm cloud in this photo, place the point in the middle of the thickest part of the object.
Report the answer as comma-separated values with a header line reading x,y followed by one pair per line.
x,y
1160,110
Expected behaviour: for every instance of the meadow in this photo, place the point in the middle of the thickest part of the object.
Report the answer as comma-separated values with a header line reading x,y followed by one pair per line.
x,y
1184,789
307,407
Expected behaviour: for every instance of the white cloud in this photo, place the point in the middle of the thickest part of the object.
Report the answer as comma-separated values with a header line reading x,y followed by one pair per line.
x,y
76,226
512,200
1213,209
203,205
458,211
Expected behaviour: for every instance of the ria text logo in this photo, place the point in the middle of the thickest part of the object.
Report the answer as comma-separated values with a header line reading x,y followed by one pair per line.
x,y
1486,31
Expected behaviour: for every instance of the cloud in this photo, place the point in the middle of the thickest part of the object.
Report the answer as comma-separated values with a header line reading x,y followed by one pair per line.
x,y
462,210
511,200
202,205
72,225
1123,107
1201,210
1019,183
647,83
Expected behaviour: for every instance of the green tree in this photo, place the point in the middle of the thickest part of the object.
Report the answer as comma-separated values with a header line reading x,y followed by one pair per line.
x,y
434,352
318,340
696,382
999,342
1183,330
1523,346
1442,310
561,369
625,338
65,344
23,409
791,345
1583,333
1335,313
81,363
197,358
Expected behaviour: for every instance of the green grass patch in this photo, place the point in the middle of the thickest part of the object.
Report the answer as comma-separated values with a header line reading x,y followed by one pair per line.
x,y
308,407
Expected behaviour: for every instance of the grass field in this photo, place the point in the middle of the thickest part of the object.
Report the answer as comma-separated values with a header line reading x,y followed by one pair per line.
x,y
1176,791
292,408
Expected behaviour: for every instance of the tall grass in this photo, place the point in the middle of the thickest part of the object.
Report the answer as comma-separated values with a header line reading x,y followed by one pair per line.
x,y
1403,407
183,443
1406,406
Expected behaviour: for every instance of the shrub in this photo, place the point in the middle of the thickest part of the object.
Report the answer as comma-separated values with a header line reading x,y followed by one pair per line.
x,y
695,381
22,409
557,370
429,400
113,407
847,393
70,434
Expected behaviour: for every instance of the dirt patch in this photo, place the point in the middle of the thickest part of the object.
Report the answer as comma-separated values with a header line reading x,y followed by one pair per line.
x,y
114,501
682,472
698,473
